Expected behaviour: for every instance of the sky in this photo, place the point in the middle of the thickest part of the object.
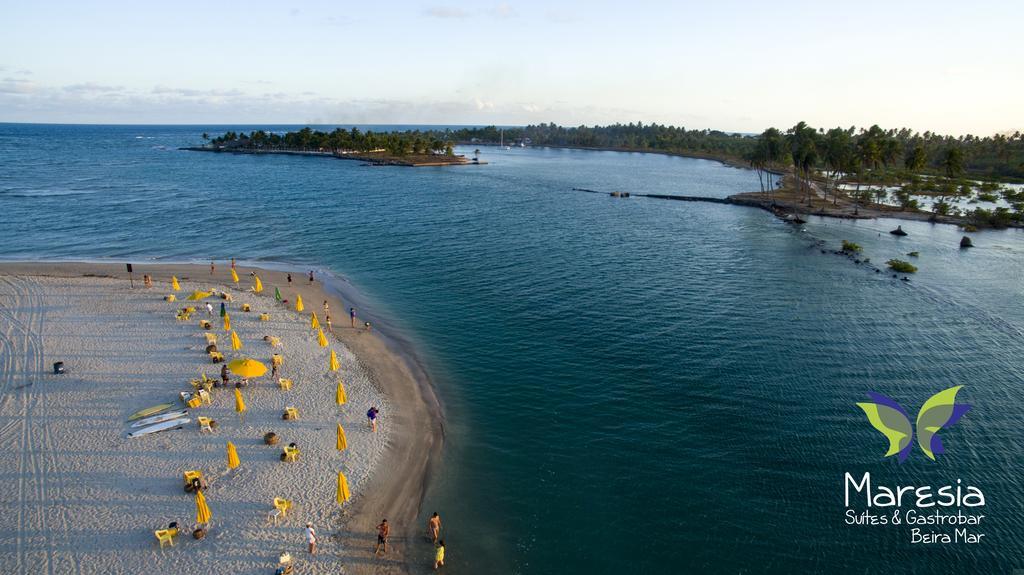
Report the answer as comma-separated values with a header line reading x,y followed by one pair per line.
x,y
948,67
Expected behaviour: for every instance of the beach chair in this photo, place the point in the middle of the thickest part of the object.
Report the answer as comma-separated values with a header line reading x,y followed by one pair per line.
x,y
204,397
264,317
191,477
194,402
216,357
275,341
245,307
204,324
204,424
284,383
171,297
166,536
211,338
291,413
276,359
281,507
291,453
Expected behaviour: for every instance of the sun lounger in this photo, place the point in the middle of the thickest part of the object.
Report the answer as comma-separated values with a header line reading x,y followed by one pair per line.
x,y
191,477
276,359
204,424
291,453
245,307
291,413
216,356
284,383
264,317
211,338
204,324
204,397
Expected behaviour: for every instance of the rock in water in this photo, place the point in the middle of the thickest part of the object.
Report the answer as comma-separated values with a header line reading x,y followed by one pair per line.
x,y
965,242
898,231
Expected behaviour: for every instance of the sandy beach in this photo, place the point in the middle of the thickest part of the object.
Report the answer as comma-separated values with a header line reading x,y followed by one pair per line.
x,y
84,498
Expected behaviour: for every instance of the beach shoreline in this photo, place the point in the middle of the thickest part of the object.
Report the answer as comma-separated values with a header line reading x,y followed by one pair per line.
x,y
415,432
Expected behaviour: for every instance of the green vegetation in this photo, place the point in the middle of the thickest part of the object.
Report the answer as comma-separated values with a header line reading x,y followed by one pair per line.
x,y
901,266
850,247
395,143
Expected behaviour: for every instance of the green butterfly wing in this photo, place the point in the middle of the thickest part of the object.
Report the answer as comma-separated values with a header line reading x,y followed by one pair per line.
x,y
893,423
938,412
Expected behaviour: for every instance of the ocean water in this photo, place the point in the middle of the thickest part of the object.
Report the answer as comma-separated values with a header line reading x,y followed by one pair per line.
x,y
629,384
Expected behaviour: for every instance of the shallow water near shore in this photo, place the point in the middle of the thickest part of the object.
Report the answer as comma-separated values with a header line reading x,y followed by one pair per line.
x,y
631,384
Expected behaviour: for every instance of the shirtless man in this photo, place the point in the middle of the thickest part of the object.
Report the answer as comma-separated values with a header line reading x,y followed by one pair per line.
x,y
434,526
383,530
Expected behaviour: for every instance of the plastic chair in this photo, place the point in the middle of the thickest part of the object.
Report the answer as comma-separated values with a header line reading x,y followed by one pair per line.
x,y
191,475
204,396
276,359
216,356
165,536
204,424
264,317
291,453
284,383
281,507
211,338
291,413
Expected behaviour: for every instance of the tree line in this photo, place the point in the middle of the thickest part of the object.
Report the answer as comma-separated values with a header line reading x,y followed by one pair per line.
x,y
397,143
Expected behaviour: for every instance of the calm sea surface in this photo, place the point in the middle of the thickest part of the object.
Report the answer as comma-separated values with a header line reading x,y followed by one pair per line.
x,y
630,385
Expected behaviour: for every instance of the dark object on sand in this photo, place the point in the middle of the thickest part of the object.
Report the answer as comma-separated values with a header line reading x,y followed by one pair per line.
x,y
965,242
58,367
270,438
898,231
199,533
210,348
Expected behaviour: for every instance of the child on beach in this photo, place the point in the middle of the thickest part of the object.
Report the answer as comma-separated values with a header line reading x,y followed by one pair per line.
x,y
371,418
311,538
434,526
439,555
383,530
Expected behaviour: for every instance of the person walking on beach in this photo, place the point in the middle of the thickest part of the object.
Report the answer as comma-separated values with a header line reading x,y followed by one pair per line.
x,y
439,555
352,316
434,527
224,374
371,418
327,308
310,277
289,280
330,327
232,263
212,267
383,531
209,309
311,538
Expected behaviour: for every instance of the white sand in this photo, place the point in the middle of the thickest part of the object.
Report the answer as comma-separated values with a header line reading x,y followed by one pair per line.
x,y
79,497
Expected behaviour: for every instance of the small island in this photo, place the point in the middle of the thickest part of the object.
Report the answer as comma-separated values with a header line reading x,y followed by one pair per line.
x,y
396,148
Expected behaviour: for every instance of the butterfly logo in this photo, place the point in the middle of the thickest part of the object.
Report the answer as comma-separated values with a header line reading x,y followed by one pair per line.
x,y
941,410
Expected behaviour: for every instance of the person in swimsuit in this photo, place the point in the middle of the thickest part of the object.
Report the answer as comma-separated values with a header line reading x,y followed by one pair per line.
x,y
330,327
383,530
434,526
439,555
352,315
327,308
289,279
212,267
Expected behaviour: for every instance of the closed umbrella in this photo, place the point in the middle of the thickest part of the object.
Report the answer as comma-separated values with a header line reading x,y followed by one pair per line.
x,y
234,276
277,294
343,492
298,303
203,514
239,402
342,442
257,285
313,322
236,344
233,461
247,368
227,322
174,284
223,310
334,365
339,394
321,338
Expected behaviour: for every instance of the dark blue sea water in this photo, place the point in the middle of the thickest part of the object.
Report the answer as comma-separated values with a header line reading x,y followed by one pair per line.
x,y
630,385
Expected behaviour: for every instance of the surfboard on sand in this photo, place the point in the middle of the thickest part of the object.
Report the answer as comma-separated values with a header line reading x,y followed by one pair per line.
x,y
162,426
160,418
150,411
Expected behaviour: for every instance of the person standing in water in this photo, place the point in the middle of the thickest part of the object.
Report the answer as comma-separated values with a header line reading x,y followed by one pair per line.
x,y
383,531
434,527
439,555
310,277
352,316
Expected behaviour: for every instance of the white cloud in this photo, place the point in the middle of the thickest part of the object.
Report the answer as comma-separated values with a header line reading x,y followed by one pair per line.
x,y
445,12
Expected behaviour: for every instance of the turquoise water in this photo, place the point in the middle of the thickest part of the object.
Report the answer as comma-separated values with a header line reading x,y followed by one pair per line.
x,y
640,385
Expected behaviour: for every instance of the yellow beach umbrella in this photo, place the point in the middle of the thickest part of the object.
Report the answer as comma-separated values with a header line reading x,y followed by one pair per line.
x,y
257,285
227,321
321,338
174,284
234,276
233,461
334,361
247,368
239,402
343,492
236,344
298,303
313,322
198,295
339,394
342,441
203,514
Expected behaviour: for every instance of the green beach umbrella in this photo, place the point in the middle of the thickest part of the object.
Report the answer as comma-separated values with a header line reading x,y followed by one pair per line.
x,y
277,294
